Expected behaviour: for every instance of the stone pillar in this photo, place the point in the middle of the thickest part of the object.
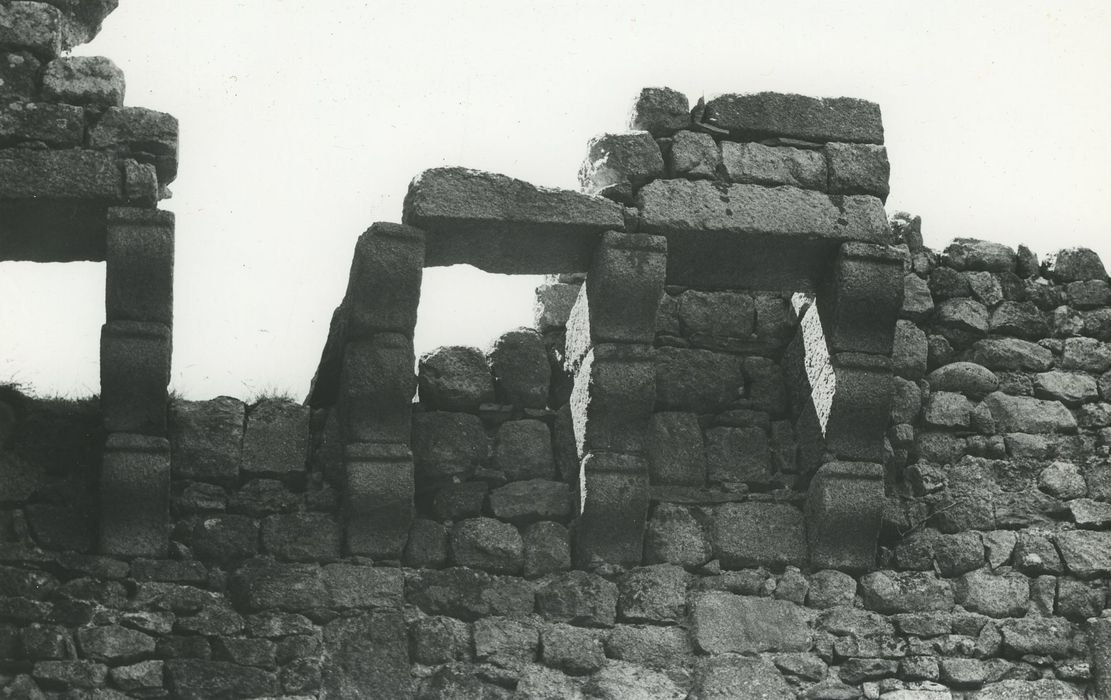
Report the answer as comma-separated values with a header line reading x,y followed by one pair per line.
x,y
135,358
858,309
135,496
378,498
375,388
609,348
843,511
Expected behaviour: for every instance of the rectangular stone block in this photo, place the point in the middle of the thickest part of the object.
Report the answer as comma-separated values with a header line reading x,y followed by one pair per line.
x,y
383,289
677,455
135,496
139,274
378,506
843,511
860,410
207,439
771,238
35,26
738,455
624,286
613,398
722,622
860,305
59,126
613,516
134,374
144,133
762,114
19,76
757,164
499,224
276,441
376,389
746,535
62,175
857,168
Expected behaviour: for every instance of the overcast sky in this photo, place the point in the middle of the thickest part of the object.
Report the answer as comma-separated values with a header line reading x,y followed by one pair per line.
x,y
300,126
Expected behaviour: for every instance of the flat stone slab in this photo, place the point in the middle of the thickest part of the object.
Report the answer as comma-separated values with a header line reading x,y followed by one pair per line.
x,y
503,225
774,238
796,116
67,174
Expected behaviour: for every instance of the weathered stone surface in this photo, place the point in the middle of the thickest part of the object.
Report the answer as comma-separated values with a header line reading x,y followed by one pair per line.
x,y
758,534
994,595
378,488
975,254
134,373
487,544
1063,480
617,165
206,439
1023,414
447,444
83,80
898,592
519,362
578,598
573,650
301,536
19,76
225,538
675,537
860,408
1075,264
660,111
757,164
58,126
677,455
1010,354
31,25
500,224
427,546
440,639
148,135
723,622
948,410
276,441
858,169
697,380
499,639
547,548
968,378
738,455
732,676
830,588
468,594
1036,635
620,680
611,403
522,502
860,307
650,645
656,594
523,450
797,116
1044,689
202,678
1090,294
1087,354
145,675
716,314
376,388
1087,513
962,320
1085,553
843,512
909,351
348,644
1070,388
264,585
553,305
918,303
693,156
113,643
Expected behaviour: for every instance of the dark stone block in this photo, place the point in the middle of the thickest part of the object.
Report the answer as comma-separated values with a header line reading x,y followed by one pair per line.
x,y
454,378
376,389
447,444
522,374
134,374
611,526
135,496
145,134
503,225
468,594
201,679
862,303
844,507
660,111
225,539
140,266
276,441
796,116
264,585
207,439
301,537
378,509
861,408
746,535
578,598
611,404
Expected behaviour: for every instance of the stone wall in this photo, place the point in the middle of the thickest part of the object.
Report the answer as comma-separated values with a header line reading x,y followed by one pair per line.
x,y
760,442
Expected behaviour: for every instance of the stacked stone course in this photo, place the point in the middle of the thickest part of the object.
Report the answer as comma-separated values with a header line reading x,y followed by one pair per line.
x,y
760,442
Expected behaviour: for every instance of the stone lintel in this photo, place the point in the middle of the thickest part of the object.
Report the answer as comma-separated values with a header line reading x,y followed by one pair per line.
x,y
774,238
500,224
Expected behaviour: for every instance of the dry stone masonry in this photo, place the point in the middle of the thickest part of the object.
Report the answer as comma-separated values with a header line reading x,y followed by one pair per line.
x,y
760,442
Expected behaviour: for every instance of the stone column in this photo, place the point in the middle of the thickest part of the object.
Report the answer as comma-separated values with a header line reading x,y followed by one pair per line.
x,y
858,309
135,356
609,348
376,387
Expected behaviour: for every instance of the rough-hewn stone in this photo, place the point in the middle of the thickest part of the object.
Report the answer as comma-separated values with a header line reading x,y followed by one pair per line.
x,y
796,116
723,622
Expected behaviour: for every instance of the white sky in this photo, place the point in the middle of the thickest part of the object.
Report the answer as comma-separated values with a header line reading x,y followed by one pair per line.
x,y
300,126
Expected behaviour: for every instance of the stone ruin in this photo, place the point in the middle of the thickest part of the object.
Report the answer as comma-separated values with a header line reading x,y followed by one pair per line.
x,y
761,442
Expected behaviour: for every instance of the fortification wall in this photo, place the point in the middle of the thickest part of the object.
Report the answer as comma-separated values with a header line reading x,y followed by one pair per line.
x,y
760,443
